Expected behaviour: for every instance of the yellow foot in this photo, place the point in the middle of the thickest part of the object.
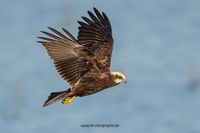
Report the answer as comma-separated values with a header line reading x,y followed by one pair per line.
x,y
68,100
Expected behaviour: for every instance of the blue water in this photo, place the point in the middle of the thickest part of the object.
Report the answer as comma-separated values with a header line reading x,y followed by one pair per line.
x,y
157,46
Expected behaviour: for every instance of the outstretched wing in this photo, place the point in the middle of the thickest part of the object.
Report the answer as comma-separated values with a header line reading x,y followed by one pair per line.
x,y
65,52
96,35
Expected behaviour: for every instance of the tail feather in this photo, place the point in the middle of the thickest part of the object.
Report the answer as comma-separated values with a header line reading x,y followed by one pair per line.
x,y
55,96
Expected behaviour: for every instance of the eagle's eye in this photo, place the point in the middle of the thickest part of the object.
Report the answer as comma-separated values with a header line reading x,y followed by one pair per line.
x,y
120,77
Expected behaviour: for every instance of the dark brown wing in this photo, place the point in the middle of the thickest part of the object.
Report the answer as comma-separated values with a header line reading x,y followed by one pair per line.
x,y
96,35
65,51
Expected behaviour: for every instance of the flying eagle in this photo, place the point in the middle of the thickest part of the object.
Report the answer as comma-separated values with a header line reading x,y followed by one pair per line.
x,y
84,62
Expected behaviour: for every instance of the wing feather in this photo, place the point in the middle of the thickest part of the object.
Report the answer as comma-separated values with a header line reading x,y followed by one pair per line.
x,y
64,50
94,41
96,34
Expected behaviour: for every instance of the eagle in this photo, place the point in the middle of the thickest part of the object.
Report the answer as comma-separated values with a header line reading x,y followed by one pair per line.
x,y
83,62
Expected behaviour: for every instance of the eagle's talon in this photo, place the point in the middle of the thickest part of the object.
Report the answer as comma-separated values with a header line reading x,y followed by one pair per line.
x,y
68,100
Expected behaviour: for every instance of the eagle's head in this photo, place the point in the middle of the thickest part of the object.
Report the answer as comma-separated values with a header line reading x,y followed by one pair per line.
x,y
118,77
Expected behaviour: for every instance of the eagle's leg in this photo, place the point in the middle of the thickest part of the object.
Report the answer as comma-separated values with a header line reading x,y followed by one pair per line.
x,y
68,100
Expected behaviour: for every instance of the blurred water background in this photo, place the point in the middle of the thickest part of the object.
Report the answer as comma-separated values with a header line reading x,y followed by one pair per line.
x,y
157,46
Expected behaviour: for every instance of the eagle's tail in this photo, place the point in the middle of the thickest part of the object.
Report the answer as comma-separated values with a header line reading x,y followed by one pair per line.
x,y
55,96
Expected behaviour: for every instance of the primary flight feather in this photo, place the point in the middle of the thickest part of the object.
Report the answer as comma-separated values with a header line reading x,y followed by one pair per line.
x,y
84,62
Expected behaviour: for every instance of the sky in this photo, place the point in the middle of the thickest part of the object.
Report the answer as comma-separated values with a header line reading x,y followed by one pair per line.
x,y
156,45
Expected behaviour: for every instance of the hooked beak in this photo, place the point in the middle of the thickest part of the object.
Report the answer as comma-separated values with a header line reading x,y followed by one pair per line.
x,y
125,82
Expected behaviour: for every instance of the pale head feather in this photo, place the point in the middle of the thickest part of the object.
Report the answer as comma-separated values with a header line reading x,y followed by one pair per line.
x,y
118,77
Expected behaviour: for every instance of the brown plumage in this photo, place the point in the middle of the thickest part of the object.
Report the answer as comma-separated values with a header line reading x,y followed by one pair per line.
x,y
84,63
